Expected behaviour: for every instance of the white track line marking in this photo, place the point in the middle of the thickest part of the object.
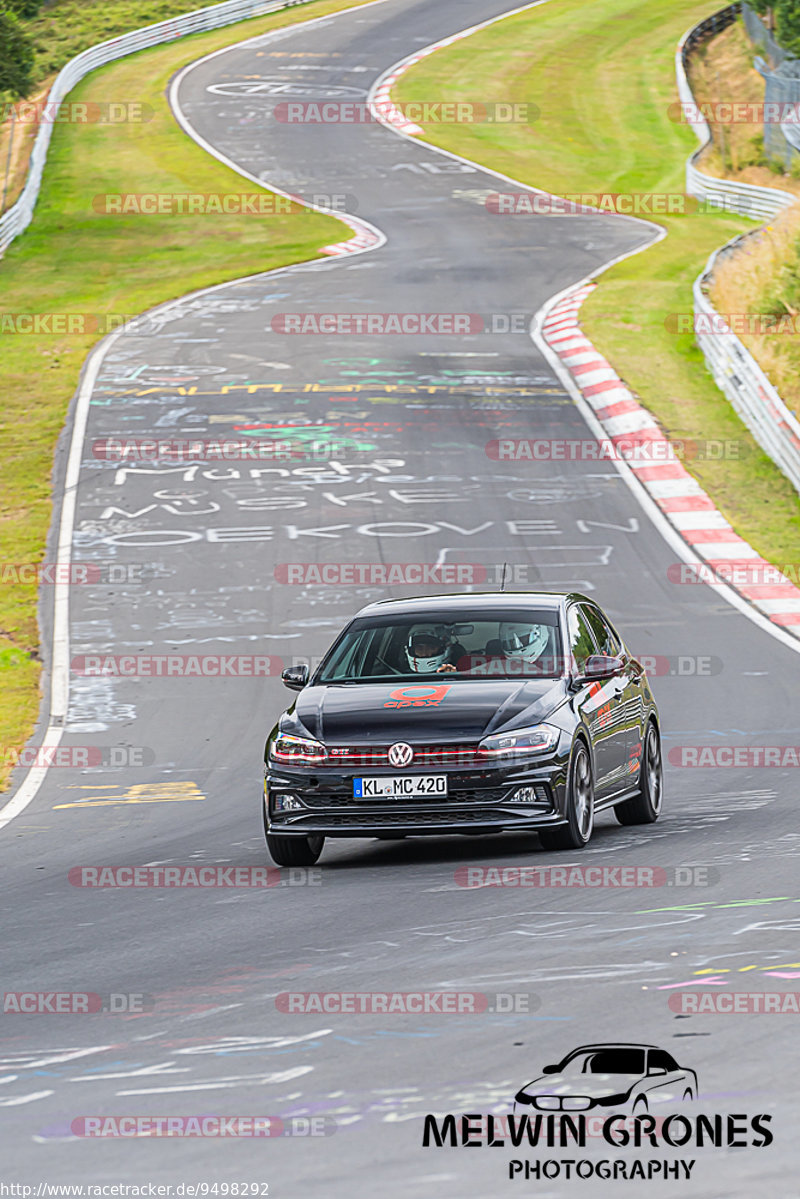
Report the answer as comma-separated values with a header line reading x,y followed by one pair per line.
x,y
59,678
572,298
558,316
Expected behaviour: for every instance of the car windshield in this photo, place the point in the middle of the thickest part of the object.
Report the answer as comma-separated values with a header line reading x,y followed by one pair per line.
x,y
506,643
605,1061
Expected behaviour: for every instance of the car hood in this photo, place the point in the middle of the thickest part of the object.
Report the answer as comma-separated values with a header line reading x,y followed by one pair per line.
x,y
380,713
596,1086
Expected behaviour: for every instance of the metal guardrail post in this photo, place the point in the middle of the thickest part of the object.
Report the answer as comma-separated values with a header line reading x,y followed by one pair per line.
x,y
734,369
744,198
20,214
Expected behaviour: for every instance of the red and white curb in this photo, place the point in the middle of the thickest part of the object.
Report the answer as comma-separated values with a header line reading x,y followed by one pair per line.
x,y
366,238
680,497
685,516
382,106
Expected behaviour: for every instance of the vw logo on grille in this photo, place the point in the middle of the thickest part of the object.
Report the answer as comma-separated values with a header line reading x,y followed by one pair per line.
x,y
401,754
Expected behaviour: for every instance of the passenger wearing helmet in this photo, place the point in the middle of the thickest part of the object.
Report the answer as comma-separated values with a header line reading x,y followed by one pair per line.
x,y
524,645
430,649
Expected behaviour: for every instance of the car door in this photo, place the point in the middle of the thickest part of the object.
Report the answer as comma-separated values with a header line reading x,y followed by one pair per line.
x,y
625,697
665,1081
594,703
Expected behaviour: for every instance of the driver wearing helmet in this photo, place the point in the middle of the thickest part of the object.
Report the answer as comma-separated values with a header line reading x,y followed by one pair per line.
x,y
524,645
430,649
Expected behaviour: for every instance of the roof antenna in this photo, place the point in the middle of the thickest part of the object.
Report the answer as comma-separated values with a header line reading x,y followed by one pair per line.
x,y
503,584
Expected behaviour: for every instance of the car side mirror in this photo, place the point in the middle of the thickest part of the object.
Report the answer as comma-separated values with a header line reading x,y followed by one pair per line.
x,y
658,1070
600,666
295,677
550,1070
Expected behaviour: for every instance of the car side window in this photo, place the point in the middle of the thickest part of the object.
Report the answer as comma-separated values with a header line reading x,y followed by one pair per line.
x,y
581,641
660,1059
385,653
607,641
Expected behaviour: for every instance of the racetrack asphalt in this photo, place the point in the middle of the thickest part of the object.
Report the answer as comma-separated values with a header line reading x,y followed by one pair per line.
x,y
411,483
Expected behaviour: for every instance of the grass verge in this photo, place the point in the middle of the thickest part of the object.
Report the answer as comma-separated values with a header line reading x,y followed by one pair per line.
x,y
721,70
73,260
58,33
603,77
65,27
762,276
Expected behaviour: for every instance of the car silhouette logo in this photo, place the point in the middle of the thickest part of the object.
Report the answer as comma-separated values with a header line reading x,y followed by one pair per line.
x,y
401,754
613,1075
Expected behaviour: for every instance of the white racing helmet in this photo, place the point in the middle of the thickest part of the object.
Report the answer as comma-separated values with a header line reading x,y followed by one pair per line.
x,y
524,642
427,648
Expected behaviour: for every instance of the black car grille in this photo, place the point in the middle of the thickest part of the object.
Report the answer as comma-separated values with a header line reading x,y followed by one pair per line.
x,y
457,754
485,795
399,819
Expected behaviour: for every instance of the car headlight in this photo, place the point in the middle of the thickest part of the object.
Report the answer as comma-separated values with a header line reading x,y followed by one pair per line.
x,y
614,1100
286,748
521,741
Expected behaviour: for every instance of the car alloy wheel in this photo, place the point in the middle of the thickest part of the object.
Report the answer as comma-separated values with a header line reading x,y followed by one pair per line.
x,y
645,806
583,797
577,830
655,772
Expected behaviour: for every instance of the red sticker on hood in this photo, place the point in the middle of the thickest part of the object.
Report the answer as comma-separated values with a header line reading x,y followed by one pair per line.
x,y
416,697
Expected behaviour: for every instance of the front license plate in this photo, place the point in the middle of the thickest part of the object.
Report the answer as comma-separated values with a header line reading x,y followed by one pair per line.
x,y
400,786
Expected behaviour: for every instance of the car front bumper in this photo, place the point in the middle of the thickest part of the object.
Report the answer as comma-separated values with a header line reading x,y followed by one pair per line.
x,y
478,800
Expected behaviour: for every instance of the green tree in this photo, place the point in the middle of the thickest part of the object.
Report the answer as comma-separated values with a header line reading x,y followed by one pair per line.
x,y
22,8
764,8
787,25
16,52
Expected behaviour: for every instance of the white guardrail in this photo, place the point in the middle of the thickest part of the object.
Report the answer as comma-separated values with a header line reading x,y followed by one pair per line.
x,y
743,198
735,371
19,216
742,380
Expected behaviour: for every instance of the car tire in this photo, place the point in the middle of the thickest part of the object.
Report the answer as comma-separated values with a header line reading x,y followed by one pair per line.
x,y
640,1106
688,1097
294,851
645,806
580,805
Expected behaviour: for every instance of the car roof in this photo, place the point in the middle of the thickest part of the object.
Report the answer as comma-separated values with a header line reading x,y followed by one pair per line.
x,y
612,1045
474,600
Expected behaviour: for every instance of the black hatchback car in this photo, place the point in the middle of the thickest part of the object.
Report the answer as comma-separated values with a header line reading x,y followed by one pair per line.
x,y
473,714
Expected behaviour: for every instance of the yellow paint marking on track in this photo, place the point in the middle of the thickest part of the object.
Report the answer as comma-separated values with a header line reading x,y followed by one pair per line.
x,y
102,803
743,969
177,792
708,903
